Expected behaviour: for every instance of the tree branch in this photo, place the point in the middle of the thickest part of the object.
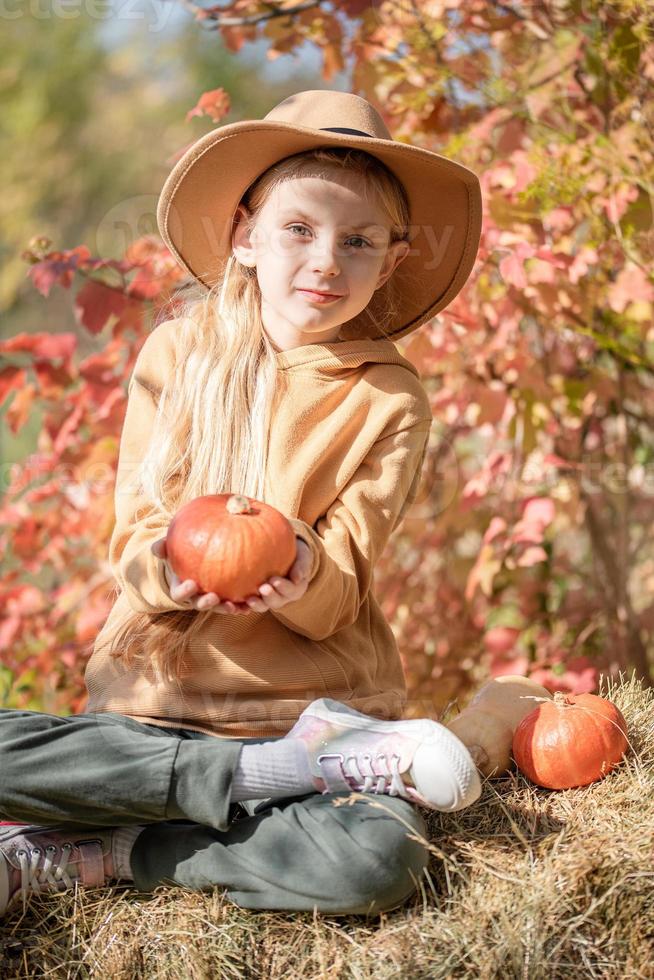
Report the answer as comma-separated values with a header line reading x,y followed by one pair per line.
x,y
214,19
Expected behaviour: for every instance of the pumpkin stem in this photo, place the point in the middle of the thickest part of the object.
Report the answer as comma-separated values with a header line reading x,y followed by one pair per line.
x,y
238,504
561,698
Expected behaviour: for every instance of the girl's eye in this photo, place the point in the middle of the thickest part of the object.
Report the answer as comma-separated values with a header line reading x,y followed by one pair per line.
x,y
353,238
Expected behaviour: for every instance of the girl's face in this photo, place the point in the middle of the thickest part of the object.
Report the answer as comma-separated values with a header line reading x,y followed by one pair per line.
x,y
316,234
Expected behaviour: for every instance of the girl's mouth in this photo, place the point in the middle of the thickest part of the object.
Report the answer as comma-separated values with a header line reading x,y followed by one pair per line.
x,y
317,297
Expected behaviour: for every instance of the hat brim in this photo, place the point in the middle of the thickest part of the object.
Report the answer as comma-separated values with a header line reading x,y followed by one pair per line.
x,y
199,198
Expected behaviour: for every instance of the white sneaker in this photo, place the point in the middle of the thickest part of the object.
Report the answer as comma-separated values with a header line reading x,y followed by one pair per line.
x,y
418,759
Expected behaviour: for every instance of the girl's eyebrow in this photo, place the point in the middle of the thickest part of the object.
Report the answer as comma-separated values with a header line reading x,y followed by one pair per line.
x,y
305,217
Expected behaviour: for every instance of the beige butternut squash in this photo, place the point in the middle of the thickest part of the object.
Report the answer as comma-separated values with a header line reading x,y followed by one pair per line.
x,y
487,725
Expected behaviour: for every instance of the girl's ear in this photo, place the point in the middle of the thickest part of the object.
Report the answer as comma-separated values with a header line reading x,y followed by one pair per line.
x,y
395,254
242,245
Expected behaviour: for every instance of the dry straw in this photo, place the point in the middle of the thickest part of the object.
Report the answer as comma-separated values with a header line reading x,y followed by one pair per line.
x,y
526,883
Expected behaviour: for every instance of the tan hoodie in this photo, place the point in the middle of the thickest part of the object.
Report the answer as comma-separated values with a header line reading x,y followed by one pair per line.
x,y
348,441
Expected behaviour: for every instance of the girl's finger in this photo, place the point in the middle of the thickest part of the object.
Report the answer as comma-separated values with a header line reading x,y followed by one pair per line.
x,y
208,601
281,585
181,591
257,604
235,608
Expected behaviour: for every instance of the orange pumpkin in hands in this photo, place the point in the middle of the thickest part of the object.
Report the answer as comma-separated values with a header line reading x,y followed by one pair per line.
x,y
573,740
230,544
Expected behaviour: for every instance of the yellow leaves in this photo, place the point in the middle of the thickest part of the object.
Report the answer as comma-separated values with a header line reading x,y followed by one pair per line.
x,y
332,61
483,572
21,407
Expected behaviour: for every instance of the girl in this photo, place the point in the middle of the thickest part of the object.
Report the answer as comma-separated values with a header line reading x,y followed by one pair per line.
x,y
217,737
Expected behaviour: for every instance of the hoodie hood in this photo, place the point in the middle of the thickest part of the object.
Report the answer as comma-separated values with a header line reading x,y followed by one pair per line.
x,y
334,358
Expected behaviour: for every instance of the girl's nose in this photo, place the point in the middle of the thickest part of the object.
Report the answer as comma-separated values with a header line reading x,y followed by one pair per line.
x,y
325,259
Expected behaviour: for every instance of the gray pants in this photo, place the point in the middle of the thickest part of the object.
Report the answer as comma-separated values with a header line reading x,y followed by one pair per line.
x,y
296,853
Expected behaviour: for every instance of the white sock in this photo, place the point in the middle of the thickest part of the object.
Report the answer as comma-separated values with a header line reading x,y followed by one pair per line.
x,y
121,848
272,769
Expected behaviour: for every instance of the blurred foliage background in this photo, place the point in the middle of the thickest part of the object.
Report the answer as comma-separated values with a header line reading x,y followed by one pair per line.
x,y
88,110
530,549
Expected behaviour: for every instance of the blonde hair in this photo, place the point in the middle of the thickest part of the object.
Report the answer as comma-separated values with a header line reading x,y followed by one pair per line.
x,y
226,373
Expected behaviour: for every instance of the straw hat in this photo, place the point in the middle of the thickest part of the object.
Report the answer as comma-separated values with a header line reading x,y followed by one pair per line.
x,y
200,196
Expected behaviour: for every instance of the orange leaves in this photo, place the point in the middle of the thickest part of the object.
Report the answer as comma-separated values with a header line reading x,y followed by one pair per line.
x,y
21,407
332,61
11,379
558,312
43,346
215,104
483,572
539,373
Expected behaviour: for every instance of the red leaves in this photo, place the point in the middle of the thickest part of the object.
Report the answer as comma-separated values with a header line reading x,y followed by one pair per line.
x,y
536,396
51,378
58,267
156,273
20,408
215,104
56,511
97,304
355,8
44,346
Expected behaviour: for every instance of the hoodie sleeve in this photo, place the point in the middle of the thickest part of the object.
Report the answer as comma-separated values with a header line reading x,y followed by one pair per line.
x,y
138,521
349,538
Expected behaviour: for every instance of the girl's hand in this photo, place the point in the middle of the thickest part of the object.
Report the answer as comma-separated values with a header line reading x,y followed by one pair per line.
x,y
273,594
279,591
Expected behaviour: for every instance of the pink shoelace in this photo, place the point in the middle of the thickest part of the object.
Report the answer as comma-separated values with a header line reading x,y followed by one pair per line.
x,y
359,770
